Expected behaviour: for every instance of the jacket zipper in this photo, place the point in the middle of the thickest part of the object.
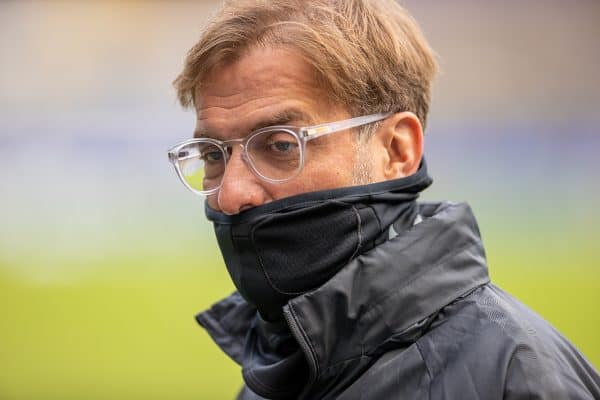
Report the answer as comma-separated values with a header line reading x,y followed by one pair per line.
x,y
292,323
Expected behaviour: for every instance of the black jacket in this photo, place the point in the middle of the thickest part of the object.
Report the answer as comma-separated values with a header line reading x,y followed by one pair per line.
x,y
414,318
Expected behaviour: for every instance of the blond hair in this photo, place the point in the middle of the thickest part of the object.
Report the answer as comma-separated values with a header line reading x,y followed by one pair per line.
x,y
369,55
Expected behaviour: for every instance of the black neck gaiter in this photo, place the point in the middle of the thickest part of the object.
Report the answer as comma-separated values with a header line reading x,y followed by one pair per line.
x,y
282,249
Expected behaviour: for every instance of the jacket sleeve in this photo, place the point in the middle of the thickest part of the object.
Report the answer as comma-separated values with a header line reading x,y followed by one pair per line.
x,y
533,375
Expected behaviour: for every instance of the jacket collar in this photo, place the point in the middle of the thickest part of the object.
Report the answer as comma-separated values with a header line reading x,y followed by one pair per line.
x,y
379,296
380,299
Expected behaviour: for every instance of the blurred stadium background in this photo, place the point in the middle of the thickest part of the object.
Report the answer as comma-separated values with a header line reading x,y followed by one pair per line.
x,y
105,258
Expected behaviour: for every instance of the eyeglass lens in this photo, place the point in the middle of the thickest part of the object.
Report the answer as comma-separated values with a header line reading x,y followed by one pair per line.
x,y
201,165
275,155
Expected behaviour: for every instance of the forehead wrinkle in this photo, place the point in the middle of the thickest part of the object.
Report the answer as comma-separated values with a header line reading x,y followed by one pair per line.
x,y
248,96
222,111
282,116
248,77
269,93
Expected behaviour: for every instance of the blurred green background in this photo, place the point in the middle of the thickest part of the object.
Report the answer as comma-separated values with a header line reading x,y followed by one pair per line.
x,y
105,258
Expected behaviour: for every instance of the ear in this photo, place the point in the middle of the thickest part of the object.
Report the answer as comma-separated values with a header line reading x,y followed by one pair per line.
x,y
399,146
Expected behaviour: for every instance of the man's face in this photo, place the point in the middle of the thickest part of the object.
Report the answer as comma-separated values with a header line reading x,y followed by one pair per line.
x,y
249,94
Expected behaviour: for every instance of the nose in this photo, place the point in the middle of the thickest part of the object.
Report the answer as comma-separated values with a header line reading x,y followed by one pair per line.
x,y
240,188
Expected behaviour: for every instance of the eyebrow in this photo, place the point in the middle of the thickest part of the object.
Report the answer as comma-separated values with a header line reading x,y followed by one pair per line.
x,y
282,117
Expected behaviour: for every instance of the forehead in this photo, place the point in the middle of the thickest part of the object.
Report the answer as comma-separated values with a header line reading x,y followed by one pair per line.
x,y
262,83
260,64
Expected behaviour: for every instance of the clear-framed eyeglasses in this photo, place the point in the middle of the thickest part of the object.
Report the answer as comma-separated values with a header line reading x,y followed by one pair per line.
x,y
274,154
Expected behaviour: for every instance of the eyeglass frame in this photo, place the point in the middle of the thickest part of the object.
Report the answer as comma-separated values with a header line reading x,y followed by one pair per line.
x,y
302,134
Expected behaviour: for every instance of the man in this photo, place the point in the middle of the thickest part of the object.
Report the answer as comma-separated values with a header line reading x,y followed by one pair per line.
x,y
309,150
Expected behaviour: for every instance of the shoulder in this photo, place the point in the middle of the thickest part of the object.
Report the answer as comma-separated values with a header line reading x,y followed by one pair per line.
x,y
488,342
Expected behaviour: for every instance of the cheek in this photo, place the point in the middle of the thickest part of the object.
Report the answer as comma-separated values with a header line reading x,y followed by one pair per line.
x,y
327,170
212,201
301,184
334,171
310,180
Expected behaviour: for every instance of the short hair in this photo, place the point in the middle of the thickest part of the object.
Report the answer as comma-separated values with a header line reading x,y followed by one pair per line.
x,y
369,55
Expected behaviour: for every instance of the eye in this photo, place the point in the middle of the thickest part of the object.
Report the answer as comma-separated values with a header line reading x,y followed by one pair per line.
x,y
212,156
281,146
281,143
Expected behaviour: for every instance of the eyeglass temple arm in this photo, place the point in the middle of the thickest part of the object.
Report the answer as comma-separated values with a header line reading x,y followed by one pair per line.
x,y
315,131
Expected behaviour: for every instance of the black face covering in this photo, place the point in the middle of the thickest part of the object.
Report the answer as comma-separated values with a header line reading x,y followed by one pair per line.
x,y
287,247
